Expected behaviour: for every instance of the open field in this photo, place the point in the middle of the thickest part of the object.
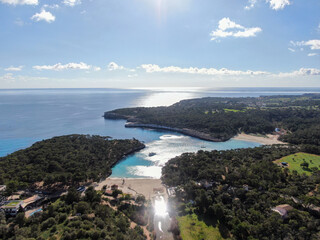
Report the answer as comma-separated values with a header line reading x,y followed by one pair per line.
x,y
295,160
192,228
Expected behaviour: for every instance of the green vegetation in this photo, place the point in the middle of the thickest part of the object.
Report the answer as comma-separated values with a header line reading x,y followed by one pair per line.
x,y
192,228
12,203
72,217
223,118
237,189
302,162
65,160
233,110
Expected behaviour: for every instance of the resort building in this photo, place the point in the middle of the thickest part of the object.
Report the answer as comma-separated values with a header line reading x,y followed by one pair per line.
x,y
12,207
282,210
31,202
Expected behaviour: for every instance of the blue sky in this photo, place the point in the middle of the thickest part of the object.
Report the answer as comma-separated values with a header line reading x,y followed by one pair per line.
x,y
159,43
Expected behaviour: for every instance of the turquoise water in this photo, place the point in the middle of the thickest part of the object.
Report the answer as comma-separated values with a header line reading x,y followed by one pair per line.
x,y
166,147
31,115
36,211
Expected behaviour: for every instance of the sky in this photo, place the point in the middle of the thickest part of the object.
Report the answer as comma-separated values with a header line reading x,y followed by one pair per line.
x,y
159,43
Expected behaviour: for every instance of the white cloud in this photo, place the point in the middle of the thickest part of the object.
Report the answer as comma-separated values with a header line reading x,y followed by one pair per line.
x,y
291,49
151,68
59,66
44,16
228,28
12,68
312,54
278,4
251,4
7,77
302,72
20,2
113,66
274,4
53,6
72,3
132,75
96,69
313,44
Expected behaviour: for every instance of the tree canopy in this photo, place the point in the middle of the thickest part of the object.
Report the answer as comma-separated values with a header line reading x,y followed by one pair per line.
x,y
67,159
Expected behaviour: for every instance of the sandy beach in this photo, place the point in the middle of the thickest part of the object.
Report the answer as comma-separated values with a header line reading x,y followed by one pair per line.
x,y
269,139
135,186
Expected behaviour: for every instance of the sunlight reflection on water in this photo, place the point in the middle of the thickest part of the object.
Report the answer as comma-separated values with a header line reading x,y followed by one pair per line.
x,y
164,98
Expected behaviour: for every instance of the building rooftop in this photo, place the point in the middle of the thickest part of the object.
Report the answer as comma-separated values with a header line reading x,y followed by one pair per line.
x,y
30,200
12,204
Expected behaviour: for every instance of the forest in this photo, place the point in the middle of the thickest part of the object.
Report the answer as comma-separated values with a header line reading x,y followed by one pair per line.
x,y
237,189
67,160
72,217
223,118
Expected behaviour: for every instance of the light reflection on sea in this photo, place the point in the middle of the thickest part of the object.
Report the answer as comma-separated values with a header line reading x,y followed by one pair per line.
x,y
166,147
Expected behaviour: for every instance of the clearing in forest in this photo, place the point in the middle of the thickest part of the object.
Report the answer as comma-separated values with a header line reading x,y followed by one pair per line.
x,y
301,162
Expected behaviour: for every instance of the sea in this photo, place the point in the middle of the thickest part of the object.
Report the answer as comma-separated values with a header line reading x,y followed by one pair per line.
x,y
31,115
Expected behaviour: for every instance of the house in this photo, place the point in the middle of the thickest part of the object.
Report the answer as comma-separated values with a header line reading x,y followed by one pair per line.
x,y
282,210
11,207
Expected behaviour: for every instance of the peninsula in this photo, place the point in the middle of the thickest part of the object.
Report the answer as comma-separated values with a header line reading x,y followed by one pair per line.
x,y
64,161
293,119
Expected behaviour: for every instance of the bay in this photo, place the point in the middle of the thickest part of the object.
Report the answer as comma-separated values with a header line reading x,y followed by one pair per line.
x,y
30,115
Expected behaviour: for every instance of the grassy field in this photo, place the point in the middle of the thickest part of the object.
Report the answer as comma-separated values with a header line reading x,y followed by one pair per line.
x,y
295,160
192,228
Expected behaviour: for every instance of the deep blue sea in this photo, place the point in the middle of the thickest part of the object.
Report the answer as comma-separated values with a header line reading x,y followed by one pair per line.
x,y
27,116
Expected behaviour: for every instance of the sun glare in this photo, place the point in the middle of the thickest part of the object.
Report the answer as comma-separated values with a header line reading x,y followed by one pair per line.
x,y
160,207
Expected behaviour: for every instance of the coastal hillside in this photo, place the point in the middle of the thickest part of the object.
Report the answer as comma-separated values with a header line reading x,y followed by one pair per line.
x,y
72,217
243,194
219,119
65,160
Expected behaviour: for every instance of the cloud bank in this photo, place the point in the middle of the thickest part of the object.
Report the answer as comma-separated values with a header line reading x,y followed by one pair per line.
x,y
59,66
151,68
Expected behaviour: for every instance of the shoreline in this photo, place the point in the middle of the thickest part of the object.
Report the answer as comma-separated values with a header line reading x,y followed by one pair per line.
x,y
269,139
185,131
